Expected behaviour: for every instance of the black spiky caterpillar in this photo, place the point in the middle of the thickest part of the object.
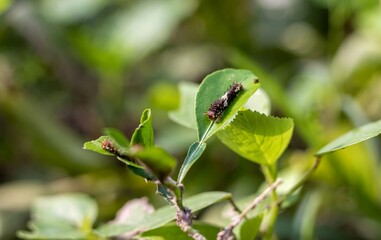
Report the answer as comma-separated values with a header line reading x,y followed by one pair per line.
x,y
217,108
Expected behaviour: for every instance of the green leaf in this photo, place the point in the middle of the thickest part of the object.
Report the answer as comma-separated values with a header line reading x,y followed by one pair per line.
x,y
357,135
194,153
163,215
143,135
159,161
118,137
248,230
96,146
185,115
257,137
66,216
173,232
48,231
213,87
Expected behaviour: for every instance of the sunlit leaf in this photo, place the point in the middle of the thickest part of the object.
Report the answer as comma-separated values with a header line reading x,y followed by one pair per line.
x,y
257,137
357,135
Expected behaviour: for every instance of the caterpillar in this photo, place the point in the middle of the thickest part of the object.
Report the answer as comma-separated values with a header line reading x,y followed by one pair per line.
x,y
217,108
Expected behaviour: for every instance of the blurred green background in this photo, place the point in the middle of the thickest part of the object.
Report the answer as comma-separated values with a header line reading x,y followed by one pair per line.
x,y
69,68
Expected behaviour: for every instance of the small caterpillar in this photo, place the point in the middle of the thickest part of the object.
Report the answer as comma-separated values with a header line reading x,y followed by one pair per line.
x,y
109,147
217,108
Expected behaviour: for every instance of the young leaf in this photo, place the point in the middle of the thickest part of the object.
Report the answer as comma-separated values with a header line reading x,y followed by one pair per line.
x,y
352,137
185,115
143,135
65,216
163,215
257,137
96,145
213,87
159,161
194,153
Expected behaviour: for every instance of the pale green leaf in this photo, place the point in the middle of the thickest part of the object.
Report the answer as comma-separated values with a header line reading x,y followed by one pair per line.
x,y
257,137
185,115
66,216
357,135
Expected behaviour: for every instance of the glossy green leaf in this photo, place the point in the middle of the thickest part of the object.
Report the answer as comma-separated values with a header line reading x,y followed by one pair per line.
x,y
248,230
143,134
163,215
173,232
66,216
213,87
96,145
257,137
357,135
186,115
159,161
194,153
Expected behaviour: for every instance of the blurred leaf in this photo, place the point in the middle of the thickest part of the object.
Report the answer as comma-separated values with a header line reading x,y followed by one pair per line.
x,y
305,219
213,87
173,232
159,161
143,135
66,216
70,11
164,95
248,230
194,153
185,115
4,5
352,137
259,138
43,230
117,136
259,102
96,145
163,215
144,26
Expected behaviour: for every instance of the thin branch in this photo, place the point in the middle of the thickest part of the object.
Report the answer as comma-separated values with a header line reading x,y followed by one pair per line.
x,y
306,176
227,233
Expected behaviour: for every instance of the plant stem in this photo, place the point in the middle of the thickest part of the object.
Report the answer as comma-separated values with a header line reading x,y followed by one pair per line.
x,y
306,176
267,227
227,233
